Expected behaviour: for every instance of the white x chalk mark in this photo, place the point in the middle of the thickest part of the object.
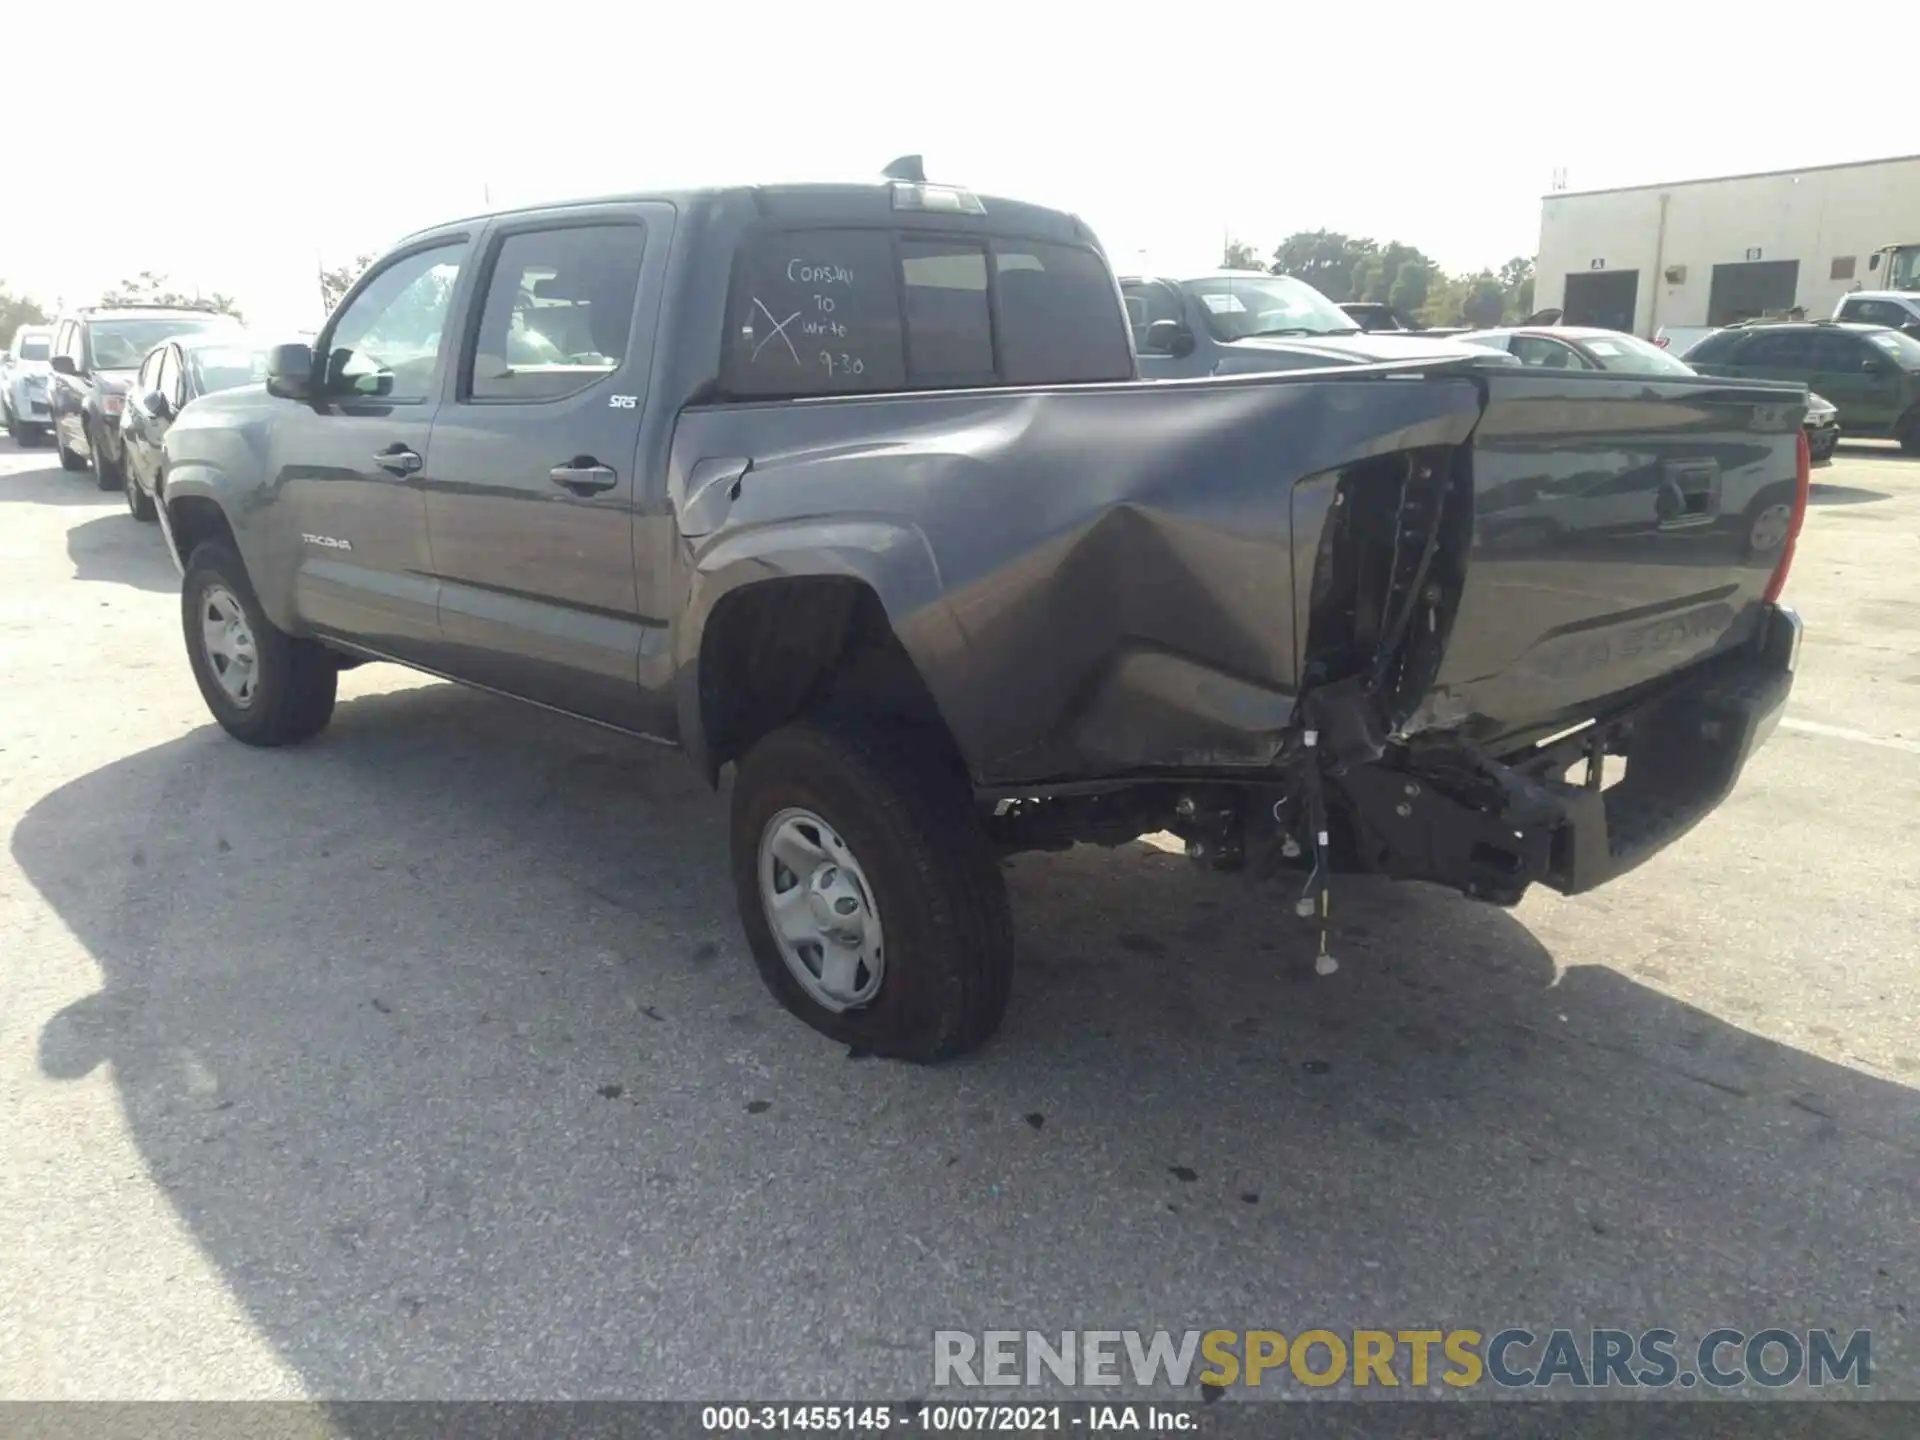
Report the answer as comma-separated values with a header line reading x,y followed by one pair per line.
x,y
779,331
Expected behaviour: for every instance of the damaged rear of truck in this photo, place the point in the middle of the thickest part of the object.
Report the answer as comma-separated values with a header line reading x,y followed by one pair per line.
x,y
1395,619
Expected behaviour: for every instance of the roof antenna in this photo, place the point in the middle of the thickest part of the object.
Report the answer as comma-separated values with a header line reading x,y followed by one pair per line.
x,y
907,167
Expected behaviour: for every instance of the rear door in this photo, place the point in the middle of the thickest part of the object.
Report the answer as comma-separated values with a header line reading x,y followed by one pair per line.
x,y
64,391
531,496
349,466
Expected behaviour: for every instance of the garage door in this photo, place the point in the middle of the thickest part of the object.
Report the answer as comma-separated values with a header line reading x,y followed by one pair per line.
x,y
1751,288
1602,297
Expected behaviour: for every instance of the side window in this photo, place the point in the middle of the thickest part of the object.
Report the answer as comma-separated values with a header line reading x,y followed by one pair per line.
x,y
949,335
70,341
386,342
1777,352
1853,308
1060,319
558,311
1884,312
1545,354
1837,352
149,378
168,382
815,312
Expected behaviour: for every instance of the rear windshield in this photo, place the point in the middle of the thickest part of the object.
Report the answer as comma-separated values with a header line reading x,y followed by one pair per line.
x,y
829,312
35,347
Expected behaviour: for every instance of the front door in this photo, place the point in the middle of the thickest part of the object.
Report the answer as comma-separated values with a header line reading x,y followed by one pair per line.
x,y
348,466
65,392
1862,380
535,464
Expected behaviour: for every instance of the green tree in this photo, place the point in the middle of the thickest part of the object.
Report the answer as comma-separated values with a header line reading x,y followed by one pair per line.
x,y
17,310
1239,255
1410,285
335,283
1485,301
150,288
1325,259
1516,279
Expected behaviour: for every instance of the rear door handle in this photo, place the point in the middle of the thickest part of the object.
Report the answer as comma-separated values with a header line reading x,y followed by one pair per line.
x,y
399,460
583,475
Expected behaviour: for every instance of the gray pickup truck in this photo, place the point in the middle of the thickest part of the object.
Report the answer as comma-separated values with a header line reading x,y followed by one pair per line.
x,y
857,490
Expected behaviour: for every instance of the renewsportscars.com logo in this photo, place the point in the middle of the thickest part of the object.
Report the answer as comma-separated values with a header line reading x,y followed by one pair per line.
x,y
1513,1358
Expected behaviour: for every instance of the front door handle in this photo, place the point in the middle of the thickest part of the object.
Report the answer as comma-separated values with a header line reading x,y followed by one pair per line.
x,y
583,475
398,460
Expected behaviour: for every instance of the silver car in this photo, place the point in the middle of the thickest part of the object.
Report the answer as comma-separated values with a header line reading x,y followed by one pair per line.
x,y
23,384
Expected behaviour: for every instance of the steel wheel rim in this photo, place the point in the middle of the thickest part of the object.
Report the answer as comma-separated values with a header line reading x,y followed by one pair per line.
x,y
226,639
820,909
1770,527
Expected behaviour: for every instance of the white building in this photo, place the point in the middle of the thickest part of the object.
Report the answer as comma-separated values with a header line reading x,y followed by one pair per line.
x,y
1709,252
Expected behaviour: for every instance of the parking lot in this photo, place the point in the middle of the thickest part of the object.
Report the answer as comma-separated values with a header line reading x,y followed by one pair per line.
x,y
428,1060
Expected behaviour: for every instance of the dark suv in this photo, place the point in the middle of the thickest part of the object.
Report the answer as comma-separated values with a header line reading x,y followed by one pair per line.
x,y
96,353
1871,373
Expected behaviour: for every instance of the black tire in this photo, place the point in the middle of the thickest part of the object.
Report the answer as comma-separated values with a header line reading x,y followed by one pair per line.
x,y
33,434
909,818
1910,439
106,474
295,679
139,503
68,460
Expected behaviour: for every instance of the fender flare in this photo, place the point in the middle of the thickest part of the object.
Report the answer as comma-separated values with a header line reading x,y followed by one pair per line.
x,y
891,559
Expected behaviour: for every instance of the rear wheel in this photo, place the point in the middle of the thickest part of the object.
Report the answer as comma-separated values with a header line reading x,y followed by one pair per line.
x,y
106,474
264,686
870,897
68,460
139,503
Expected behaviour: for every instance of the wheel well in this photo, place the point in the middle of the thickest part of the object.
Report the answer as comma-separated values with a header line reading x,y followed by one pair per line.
x,y
779,649
194,520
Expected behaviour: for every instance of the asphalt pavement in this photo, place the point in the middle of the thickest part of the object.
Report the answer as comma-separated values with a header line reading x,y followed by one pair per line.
x,y
427,1060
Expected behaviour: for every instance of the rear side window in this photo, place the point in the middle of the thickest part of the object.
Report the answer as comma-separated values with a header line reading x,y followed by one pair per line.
x,y
558,309
1713,347
1792,350
826,312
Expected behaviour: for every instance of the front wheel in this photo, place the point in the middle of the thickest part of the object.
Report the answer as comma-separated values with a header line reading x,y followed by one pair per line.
x,y
264,686
871,900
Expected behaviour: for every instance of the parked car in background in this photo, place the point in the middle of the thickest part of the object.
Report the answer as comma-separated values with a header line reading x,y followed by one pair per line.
x,y
1372,316
1896,309
1579,347
173,376
23,383
1234,322
95,354
1869,372
1679,339
1582,348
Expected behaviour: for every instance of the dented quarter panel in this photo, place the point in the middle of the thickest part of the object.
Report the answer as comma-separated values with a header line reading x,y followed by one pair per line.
x,y
1090,579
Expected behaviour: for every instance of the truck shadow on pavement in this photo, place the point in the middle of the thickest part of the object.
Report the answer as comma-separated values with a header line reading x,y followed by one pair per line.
x,y
440,1038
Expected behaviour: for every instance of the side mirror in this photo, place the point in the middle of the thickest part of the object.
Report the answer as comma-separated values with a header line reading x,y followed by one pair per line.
x,y
1170,337
290,372
157,405
63,365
